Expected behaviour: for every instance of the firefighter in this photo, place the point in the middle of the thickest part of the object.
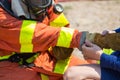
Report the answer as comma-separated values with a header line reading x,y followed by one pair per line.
x,y
35,41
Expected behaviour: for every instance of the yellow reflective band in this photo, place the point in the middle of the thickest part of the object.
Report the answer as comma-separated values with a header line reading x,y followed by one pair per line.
x,y
61,66
44,77
107,51
26,35
31,59
60,21
6,57
65,37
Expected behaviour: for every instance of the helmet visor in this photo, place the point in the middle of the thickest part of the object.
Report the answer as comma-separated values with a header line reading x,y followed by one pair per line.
x,y
39,3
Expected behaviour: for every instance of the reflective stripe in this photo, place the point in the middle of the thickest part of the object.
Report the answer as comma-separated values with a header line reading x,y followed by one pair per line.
x,y
60,21
107,51
26,35
6,57
44,77
65,37
31,59
61,66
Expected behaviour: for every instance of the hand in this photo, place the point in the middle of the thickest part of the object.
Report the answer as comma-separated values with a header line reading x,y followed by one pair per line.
x,y
91,50
107,31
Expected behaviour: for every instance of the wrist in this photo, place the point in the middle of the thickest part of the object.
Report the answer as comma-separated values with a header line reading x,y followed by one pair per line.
x,y
82,39
99,54
90,36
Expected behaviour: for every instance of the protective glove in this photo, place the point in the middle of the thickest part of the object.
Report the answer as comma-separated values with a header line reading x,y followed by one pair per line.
x,y
61,53
110,40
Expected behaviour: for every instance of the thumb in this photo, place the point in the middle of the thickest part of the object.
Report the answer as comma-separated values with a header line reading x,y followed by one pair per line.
x,y
105,32
88,43
86,46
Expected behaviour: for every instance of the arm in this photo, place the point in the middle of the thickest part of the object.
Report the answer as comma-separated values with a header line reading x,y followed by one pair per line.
x,y
110,61
31,36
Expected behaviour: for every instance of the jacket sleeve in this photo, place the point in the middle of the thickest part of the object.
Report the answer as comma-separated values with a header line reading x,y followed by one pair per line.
x,y
14,35
111,61
117,30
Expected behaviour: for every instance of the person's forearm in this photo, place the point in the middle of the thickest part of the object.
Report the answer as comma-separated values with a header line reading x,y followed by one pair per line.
x,y
110,62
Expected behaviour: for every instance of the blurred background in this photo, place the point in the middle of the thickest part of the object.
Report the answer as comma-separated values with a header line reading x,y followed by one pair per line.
x,y
92,15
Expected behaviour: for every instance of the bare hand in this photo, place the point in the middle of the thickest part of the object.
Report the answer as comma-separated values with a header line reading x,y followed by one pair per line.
x,y
91,51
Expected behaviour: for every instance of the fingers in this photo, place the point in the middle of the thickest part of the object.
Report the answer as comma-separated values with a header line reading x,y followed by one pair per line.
x,y
91,51
105,32
88,44
84,47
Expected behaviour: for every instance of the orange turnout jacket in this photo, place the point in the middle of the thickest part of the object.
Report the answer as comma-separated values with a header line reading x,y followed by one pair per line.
x,y
28,36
